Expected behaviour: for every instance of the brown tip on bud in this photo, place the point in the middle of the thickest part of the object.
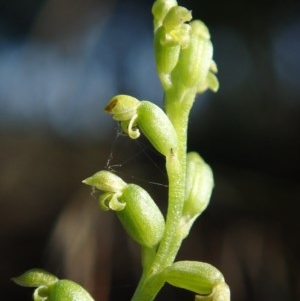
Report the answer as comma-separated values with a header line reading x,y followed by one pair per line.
x,y
111,105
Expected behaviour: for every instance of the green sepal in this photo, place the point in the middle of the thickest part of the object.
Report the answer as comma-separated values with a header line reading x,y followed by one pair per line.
x,y
198,277
35,278
106,181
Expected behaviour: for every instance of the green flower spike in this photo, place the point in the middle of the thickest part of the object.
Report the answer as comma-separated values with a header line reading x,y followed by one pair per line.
x,y
137,115
185,66
50,288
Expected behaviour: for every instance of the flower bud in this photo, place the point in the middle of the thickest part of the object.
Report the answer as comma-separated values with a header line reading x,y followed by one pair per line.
x,y
199,185
175,30
194,60
157,127
124,109
198,188
141,217
106,181
166,56
147,117
160,9
198,277
136,210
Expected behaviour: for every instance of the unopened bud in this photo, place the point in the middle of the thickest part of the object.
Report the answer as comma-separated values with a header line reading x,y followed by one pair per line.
x,y
160,9
194,60
199,185
166,56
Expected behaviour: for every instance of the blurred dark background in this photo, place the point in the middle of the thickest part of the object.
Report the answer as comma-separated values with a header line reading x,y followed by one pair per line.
x,y
62,60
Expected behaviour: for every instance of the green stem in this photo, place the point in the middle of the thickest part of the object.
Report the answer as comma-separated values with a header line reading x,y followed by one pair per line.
x,y
152,279
175,166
